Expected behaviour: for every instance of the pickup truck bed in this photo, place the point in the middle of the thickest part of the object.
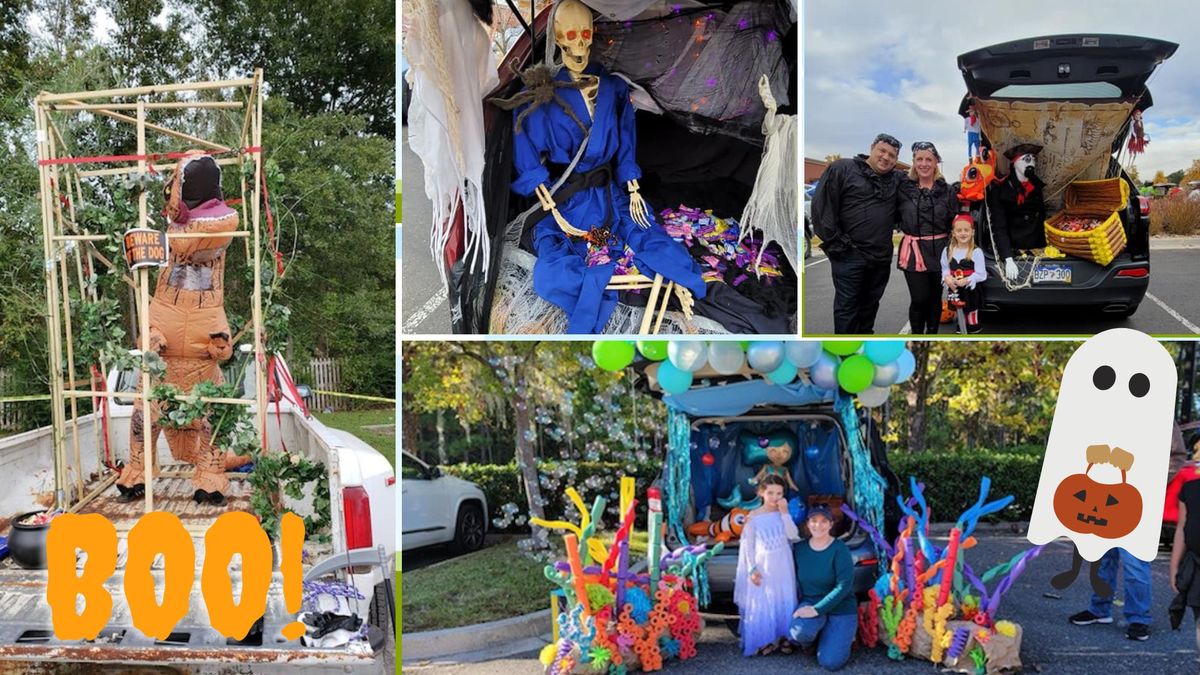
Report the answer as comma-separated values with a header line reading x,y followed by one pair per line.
x,y
25,620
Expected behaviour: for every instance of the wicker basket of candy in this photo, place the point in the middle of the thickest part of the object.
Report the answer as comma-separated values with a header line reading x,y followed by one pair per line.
x,y
1089,226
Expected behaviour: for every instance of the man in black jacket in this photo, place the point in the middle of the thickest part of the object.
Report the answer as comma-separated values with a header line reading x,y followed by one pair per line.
x,y
854,214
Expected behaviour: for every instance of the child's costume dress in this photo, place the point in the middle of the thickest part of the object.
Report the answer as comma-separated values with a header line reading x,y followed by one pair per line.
x,y
766,610
974,269
594,199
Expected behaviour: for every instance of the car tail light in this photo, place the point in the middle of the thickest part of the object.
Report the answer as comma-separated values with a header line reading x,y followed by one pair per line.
x,y
867,561
356,506
1144,204
1134,272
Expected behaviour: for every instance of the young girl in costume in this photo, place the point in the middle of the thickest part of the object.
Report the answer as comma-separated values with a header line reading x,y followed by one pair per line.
x,y
963,271
765,586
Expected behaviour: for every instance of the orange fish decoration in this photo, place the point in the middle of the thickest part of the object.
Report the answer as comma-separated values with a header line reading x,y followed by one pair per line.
x,y
728,527
977,176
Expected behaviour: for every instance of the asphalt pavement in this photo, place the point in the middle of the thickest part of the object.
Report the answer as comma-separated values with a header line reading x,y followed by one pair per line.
x,y
1171,306
422,293
1050,643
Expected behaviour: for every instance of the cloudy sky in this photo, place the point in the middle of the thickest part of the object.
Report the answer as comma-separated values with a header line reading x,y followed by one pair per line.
x,y
872,66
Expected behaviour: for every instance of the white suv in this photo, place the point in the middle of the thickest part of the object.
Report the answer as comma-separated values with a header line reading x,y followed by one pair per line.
x,y
439,509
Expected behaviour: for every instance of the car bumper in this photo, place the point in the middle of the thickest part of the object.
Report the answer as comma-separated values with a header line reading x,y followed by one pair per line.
x,y
1100,288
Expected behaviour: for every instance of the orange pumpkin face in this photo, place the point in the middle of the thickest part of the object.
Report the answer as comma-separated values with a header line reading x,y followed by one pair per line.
x,y
977,176
1110,511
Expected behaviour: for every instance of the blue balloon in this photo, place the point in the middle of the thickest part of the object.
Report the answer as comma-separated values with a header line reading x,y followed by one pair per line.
x,y
823,373
883,351
907,365
672,379
784,374
802,353
765,355
796,509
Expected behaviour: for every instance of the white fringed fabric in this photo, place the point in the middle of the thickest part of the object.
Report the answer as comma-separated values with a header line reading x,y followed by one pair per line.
x,y
453,69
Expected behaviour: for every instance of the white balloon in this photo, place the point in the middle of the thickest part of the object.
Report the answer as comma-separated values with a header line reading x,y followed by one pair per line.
x,y
873,397
765,355
823,373
802,353
687,355
725,357
886,374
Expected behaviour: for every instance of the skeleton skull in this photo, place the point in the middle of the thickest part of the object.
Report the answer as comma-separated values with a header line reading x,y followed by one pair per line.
x,y
573,34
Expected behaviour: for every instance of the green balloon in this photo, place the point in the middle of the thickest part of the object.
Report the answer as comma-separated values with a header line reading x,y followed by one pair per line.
x,y
612,354
841,347
745,344
655,350
855,373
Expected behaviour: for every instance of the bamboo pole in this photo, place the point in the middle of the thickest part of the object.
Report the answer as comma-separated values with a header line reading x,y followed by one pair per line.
x,y
55,366
165,105
161,129
165,168
666,300
104,485
648,314
45,97
148,456
64,284
260,380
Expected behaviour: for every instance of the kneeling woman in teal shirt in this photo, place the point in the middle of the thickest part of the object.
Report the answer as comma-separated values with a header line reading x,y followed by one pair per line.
x,y
827,614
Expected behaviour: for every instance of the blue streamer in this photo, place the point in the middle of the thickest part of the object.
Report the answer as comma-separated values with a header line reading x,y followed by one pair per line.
x,y
869,486
677,482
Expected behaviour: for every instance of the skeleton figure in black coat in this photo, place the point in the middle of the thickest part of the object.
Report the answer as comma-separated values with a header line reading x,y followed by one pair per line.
x,y
1018,208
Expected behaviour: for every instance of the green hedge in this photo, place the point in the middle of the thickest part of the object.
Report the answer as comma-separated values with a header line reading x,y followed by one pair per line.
x,y
951,483
952,480
501,484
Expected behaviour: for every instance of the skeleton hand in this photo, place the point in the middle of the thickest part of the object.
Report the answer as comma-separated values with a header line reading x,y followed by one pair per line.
x,y
686,301
1010,269
637,205
548,204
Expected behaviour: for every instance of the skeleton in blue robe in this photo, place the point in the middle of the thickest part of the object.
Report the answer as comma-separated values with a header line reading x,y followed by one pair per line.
x,y
597,212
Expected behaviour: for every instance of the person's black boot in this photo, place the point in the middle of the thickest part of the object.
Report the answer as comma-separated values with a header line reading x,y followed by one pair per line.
x,y
132,493
216,499
201,496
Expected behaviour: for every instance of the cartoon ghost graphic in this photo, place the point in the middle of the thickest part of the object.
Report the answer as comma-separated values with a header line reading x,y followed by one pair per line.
x,y
1104,474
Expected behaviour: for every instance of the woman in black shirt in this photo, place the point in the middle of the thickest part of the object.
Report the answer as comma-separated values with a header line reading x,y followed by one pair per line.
x,y
926,207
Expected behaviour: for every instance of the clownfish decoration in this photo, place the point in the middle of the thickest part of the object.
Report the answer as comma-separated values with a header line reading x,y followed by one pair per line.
x,y
977,176
728,527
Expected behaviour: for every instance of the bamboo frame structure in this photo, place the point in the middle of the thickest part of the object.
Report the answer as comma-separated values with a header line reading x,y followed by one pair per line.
x,y
62,238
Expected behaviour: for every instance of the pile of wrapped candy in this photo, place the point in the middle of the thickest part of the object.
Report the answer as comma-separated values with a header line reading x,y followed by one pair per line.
x,y
722,256
1077,224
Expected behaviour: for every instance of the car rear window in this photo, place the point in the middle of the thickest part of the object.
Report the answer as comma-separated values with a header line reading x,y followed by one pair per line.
x,y
1060,90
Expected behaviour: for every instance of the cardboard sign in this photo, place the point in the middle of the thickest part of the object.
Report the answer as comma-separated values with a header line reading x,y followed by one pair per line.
x,y
145,247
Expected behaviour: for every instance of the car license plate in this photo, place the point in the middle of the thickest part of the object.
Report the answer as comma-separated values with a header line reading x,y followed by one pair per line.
x,y
1052,274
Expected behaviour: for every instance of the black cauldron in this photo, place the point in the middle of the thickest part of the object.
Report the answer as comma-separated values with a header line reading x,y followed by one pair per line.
x,y
27,543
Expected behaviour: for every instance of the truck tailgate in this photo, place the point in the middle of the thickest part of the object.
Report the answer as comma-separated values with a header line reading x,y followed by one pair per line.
x,y
25,620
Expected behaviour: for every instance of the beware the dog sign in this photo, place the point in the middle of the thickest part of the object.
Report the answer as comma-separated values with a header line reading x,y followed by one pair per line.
x,y
145,247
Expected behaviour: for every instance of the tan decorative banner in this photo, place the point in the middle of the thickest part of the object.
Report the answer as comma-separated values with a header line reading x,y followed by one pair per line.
x,y
1075,137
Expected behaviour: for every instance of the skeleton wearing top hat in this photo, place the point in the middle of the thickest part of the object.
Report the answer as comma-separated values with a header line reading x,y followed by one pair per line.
x,y
1018,207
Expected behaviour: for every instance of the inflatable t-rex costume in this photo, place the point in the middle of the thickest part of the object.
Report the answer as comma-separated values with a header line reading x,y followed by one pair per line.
x,y
188,326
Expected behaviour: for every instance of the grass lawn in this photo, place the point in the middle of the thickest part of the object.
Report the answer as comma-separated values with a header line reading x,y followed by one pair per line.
x,y
355,422
494,583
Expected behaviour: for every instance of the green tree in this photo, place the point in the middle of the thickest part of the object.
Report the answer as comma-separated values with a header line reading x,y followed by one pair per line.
x,y
322,56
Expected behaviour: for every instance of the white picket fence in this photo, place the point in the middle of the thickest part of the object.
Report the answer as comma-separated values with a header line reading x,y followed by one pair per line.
x,y
323,374
12,415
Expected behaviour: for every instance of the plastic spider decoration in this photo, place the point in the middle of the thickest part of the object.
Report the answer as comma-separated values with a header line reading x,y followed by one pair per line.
x,y
540,88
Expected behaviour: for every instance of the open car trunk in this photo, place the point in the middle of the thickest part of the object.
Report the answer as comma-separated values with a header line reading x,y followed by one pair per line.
x,y
702,151
726,412
1074,95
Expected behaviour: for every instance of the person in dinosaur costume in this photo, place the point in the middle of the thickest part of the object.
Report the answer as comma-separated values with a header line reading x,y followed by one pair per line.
x,y
188,326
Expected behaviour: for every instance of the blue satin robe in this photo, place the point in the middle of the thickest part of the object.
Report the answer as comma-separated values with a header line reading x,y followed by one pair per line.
x,y
561,274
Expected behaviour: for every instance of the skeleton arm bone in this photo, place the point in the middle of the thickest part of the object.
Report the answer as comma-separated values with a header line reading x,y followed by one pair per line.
x,y
637,205
543,196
